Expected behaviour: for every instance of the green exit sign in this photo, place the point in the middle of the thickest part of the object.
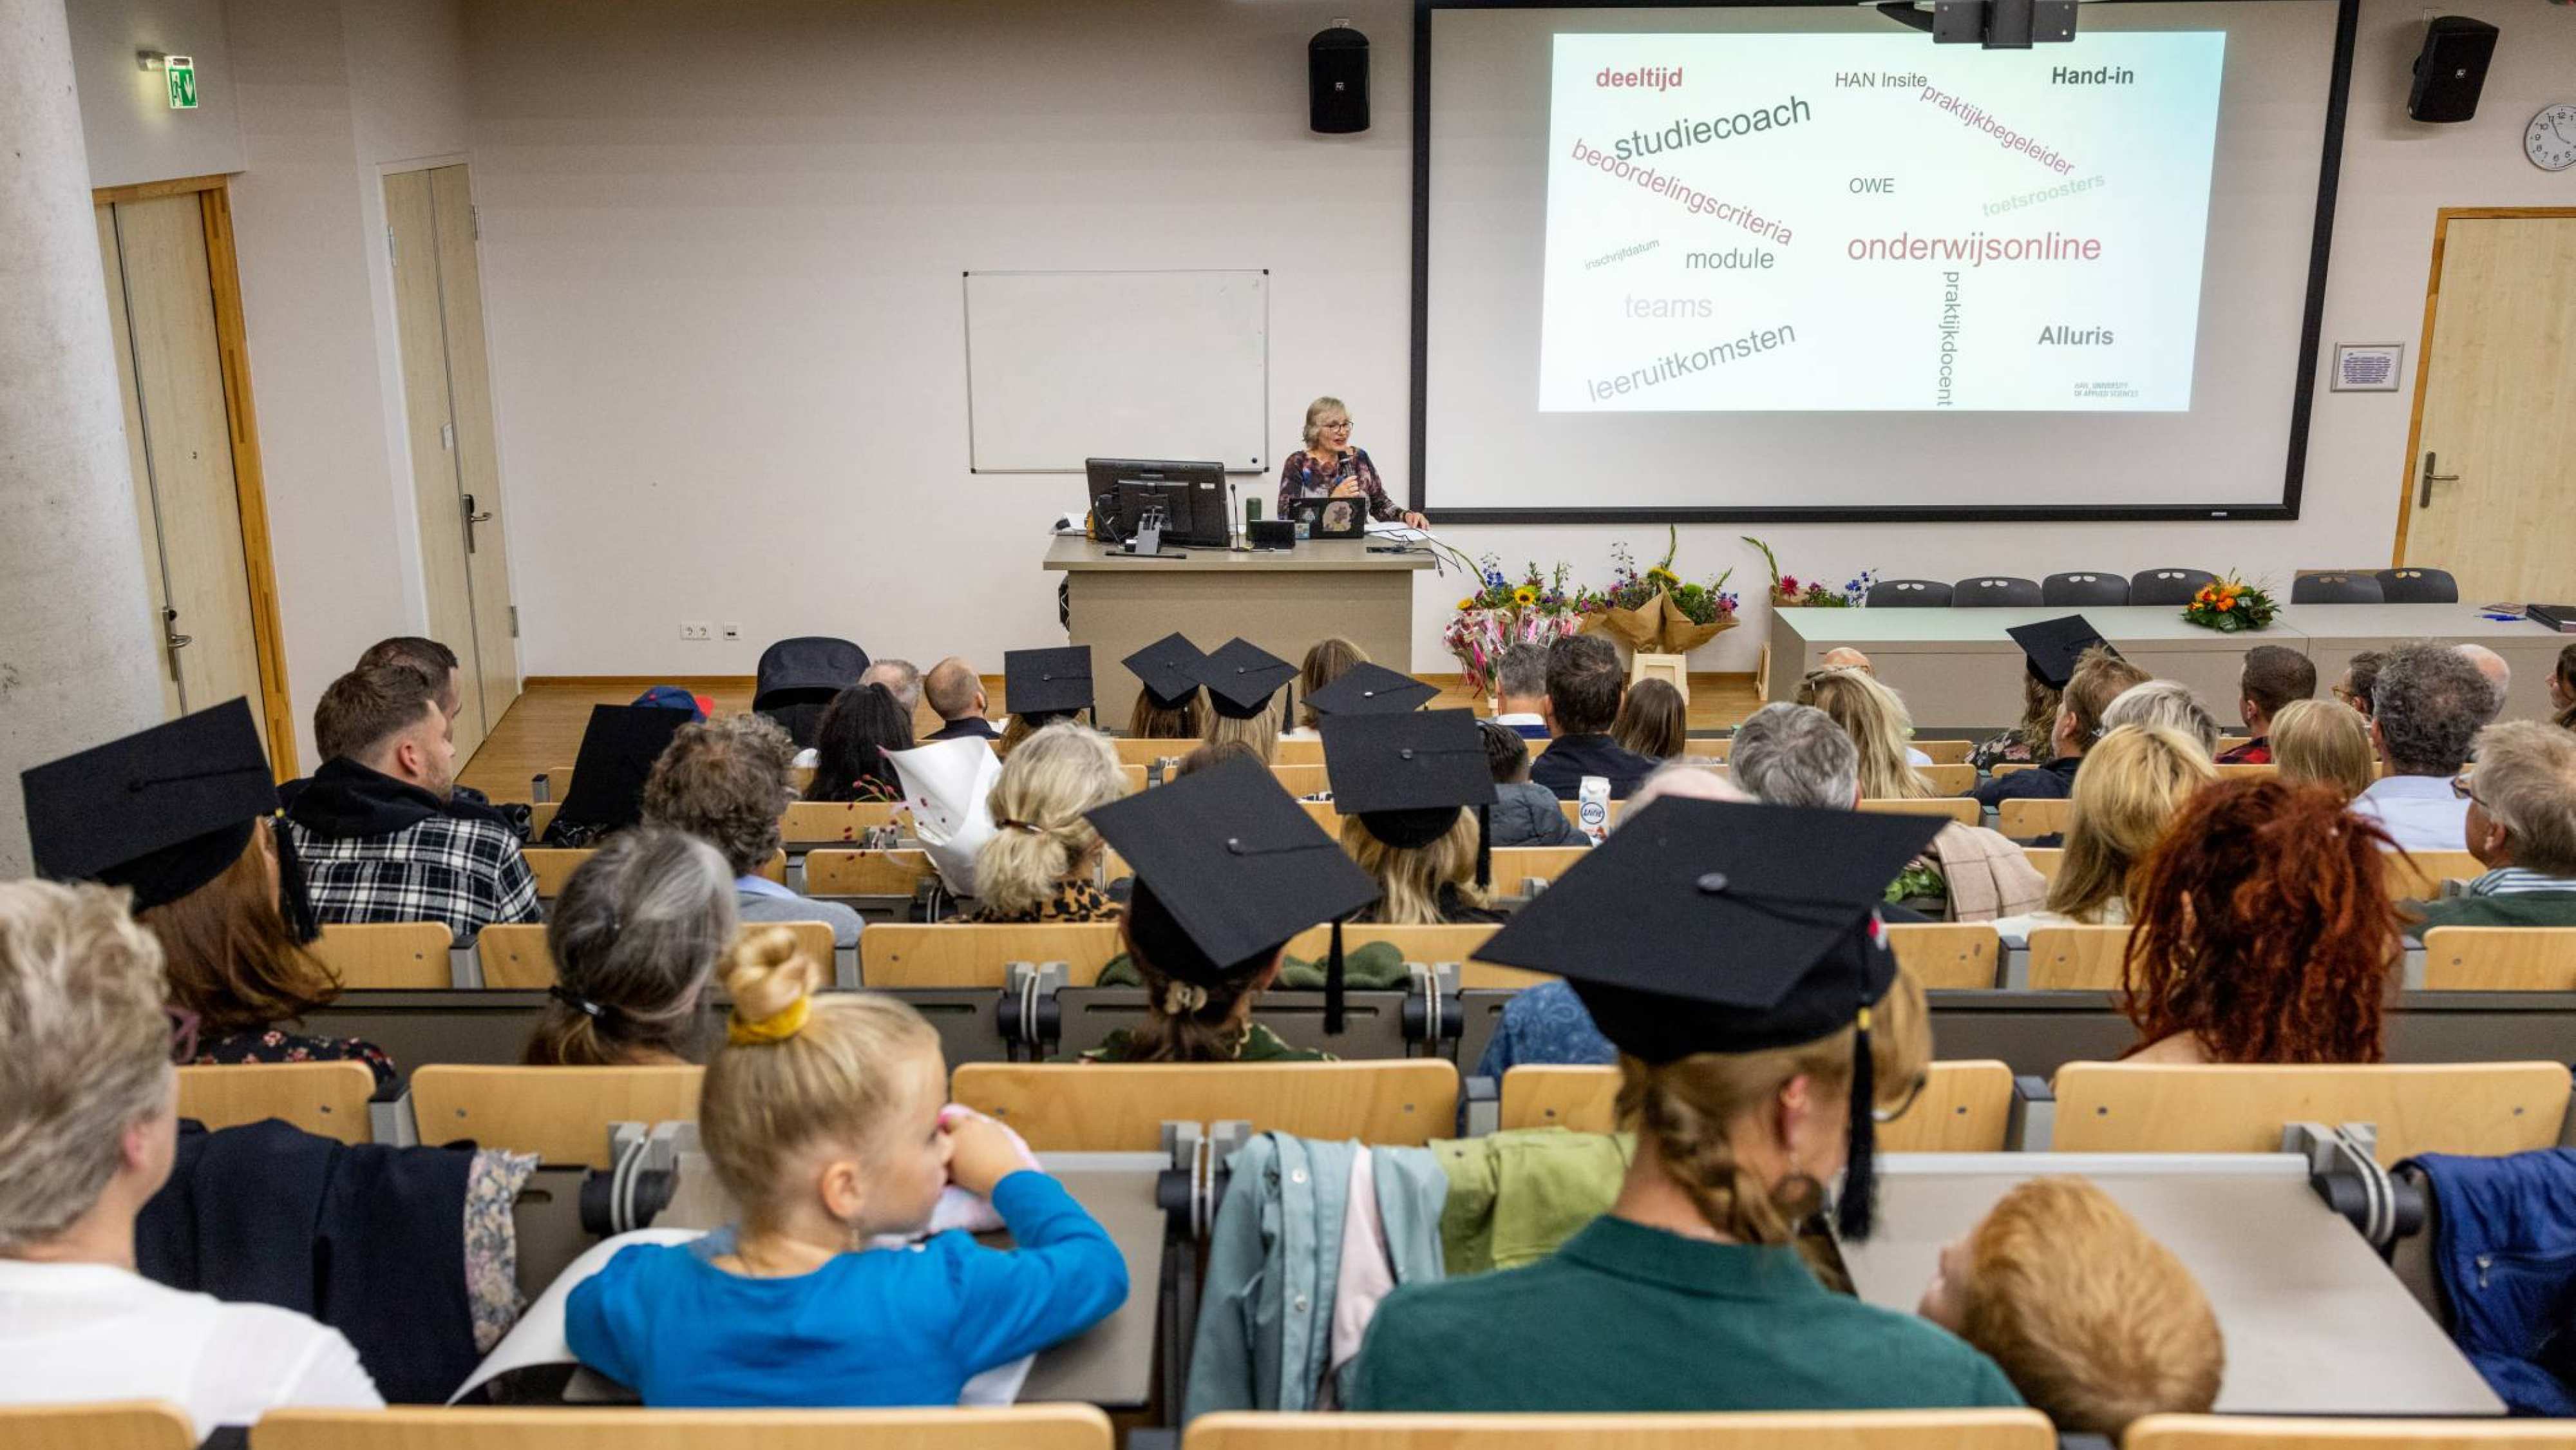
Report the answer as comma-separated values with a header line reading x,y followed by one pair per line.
x,y
182,73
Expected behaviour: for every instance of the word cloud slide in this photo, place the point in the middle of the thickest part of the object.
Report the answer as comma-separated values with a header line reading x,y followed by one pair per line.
x,y
1789,223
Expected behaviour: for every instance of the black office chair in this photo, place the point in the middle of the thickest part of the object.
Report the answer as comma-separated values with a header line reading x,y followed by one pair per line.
x,y
1909,594
2418,586
2168,586
2083,589
1994,591
2337,586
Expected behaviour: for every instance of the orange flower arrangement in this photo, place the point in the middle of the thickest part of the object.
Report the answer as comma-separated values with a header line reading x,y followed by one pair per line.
x,y
2231,606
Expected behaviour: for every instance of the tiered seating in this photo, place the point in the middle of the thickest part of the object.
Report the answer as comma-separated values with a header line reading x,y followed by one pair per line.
x,y
561,1114
387,955
137,1425
1022,1427
514,955
2486,1108
1965,1107
2247,1432
1872,1430
1114,1107
2500,959
324,1098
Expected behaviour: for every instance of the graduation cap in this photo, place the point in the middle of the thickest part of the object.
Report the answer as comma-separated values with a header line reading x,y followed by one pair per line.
x,y
1368,689
1407,776
162,811
1168,669
618,748
1704,926
2052,647
1039,683
1228,868
1241,677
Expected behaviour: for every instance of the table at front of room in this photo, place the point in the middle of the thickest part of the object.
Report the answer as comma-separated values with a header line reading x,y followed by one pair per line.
x,y
1282,600
1958,669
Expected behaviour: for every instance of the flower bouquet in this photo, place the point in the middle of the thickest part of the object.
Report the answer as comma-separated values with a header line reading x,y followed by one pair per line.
x,y
2231,606
1788,591
1654,611
1540,609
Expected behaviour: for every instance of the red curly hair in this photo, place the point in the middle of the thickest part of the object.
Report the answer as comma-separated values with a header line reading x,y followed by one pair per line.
x,y
2265,928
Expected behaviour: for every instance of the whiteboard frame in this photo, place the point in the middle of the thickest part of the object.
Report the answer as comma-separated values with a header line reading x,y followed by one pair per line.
x,y
966,325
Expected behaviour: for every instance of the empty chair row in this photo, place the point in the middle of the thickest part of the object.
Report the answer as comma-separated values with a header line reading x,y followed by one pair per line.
x,y
2156,586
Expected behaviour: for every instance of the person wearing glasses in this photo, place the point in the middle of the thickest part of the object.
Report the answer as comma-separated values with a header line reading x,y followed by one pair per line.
x,y
1329,467
2521,827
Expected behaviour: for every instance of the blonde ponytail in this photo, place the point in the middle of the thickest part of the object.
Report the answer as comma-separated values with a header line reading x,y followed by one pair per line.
x,y
1047,787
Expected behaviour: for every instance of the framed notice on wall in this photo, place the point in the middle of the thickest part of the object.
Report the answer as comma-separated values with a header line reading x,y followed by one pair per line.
x,y
2368,367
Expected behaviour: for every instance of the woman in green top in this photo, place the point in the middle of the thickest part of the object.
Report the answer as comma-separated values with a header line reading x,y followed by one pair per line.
x,y
1195,1010
1731,953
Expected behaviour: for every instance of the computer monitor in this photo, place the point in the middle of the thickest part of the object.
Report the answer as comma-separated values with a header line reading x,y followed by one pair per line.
x,y
1192,495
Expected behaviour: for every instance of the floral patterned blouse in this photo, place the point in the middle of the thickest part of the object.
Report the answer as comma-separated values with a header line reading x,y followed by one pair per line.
x,y
1306,476
272,1045
1075,899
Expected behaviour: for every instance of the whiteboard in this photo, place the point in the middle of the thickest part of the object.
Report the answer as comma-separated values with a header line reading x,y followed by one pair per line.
x,y
1064,366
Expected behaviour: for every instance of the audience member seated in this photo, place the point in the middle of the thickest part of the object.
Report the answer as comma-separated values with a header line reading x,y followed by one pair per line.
x,y
861,724
2498,675
2261,932
1243,681
2327,743
634,937
2562,689
2427,707
1584,685
2028,742
1327,660
902,680
2167,703
825,1120
88,1109
1741,1017
1043,686
1043,861
2360,677
2522,827
2274,675
372,827
2097,678
2130,788
1410,787
1844,657
1207,923
1875,719
439,663
1524,813
1167,697
1653,722
1212,754
2093,1321
1520,691
956,695
725,782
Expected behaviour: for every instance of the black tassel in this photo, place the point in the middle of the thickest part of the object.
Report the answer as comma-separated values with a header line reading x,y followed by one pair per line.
x,y
1852,1213
293,902
1333,986
1484,847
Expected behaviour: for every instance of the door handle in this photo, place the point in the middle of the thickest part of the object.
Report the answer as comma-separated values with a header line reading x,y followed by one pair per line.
x,y
471,519
172,637
2424,498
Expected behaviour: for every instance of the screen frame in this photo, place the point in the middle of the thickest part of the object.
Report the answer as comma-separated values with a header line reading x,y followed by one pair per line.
x,y
2311,324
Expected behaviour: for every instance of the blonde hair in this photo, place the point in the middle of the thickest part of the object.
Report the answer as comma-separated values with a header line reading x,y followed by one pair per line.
x,y
1872,715
84,1050
781,1085
2100,677
1411,876
2324,742
1327,660
2130,786
1315,411
1040,837
1684,1108
2093,1321
1259,733
2164,702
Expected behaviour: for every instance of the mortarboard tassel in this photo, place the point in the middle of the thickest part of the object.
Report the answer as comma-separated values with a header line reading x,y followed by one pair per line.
x,y
1860,1178
1333,985
292,900
1484,847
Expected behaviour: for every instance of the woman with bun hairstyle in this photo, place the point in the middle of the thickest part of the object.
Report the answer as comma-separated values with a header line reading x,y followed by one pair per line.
x,y
825,1120
1040,862
634,937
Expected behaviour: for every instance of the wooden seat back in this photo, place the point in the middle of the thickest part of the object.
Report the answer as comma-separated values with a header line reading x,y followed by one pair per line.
x,y
1301,780
2500,959
1958,779
1135,775
553,867
2011,767
2481,1108
1424,944
837,823
121,1425
2027,818
1946,752
514,955
2077,958
1799,1430
2248,1432
2247,772
561,1114
387,956
2045,860
327,1099
2418,875
1965,1107
1947,955
966,954
866,873
1120,1107
1965,812
1515,865
540,816
556,1427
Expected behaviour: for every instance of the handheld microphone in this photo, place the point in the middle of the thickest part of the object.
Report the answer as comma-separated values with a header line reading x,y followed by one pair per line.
x,y
1233,518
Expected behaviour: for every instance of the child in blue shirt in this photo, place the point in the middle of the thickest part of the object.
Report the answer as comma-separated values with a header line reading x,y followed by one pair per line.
x,y
822,1118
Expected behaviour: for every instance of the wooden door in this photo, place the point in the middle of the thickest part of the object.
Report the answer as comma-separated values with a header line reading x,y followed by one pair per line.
x,y
139,465
2492,463
178,426
447,400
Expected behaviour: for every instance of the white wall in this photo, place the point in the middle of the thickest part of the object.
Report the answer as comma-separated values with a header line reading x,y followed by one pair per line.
x,y
126,120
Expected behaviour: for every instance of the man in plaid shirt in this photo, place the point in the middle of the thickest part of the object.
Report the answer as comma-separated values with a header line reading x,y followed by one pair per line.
x,y
374,829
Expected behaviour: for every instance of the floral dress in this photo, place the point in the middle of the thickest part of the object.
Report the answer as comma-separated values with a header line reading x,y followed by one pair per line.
x,y
1305,476
272,1045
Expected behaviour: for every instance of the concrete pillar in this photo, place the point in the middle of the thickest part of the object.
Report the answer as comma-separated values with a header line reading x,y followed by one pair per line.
x,y
78,661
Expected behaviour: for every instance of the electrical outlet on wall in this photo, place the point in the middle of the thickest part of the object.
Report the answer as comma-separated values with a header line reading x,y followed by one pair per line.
x,y
733,631
695,629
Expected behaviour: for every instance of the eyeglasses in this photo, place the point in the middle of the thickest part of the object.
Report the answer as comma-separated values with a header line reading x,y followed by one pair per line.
x,y
1913,1090
1343,426
2464,788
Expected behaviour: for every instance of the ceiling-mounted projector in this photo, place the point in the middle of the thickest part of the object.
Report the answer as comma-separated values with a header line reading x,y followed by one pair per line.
x,y
1993,24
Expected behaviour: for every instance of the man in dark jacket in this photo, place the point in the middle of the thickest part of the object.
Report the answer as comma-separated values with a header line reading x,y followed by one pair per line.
x,y
2522,828
373,828
957,693
2098,678
1584,684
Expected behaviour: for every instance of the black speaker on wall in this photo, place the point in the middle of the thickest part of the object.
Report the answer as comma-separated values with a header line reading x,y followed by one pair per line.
x,y
2451,69
1337,80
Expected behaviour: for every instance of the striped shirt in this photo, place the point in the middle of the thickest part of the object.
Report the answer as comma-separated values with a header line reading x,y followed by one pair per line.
x,y
2515,881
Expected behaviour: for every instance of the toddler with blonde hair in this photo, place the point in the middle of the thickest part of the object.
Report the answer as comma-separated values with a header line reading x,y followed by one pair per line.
x,y
826,1121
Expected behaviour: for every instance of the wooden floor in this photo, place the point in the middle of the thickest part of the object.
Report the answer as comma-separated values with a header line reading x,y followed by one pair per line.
x,y
543,728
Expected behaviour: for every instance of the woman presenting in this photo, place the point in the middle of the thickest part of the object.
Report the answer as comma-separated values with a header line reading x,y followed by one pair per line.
x,y
1329,467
